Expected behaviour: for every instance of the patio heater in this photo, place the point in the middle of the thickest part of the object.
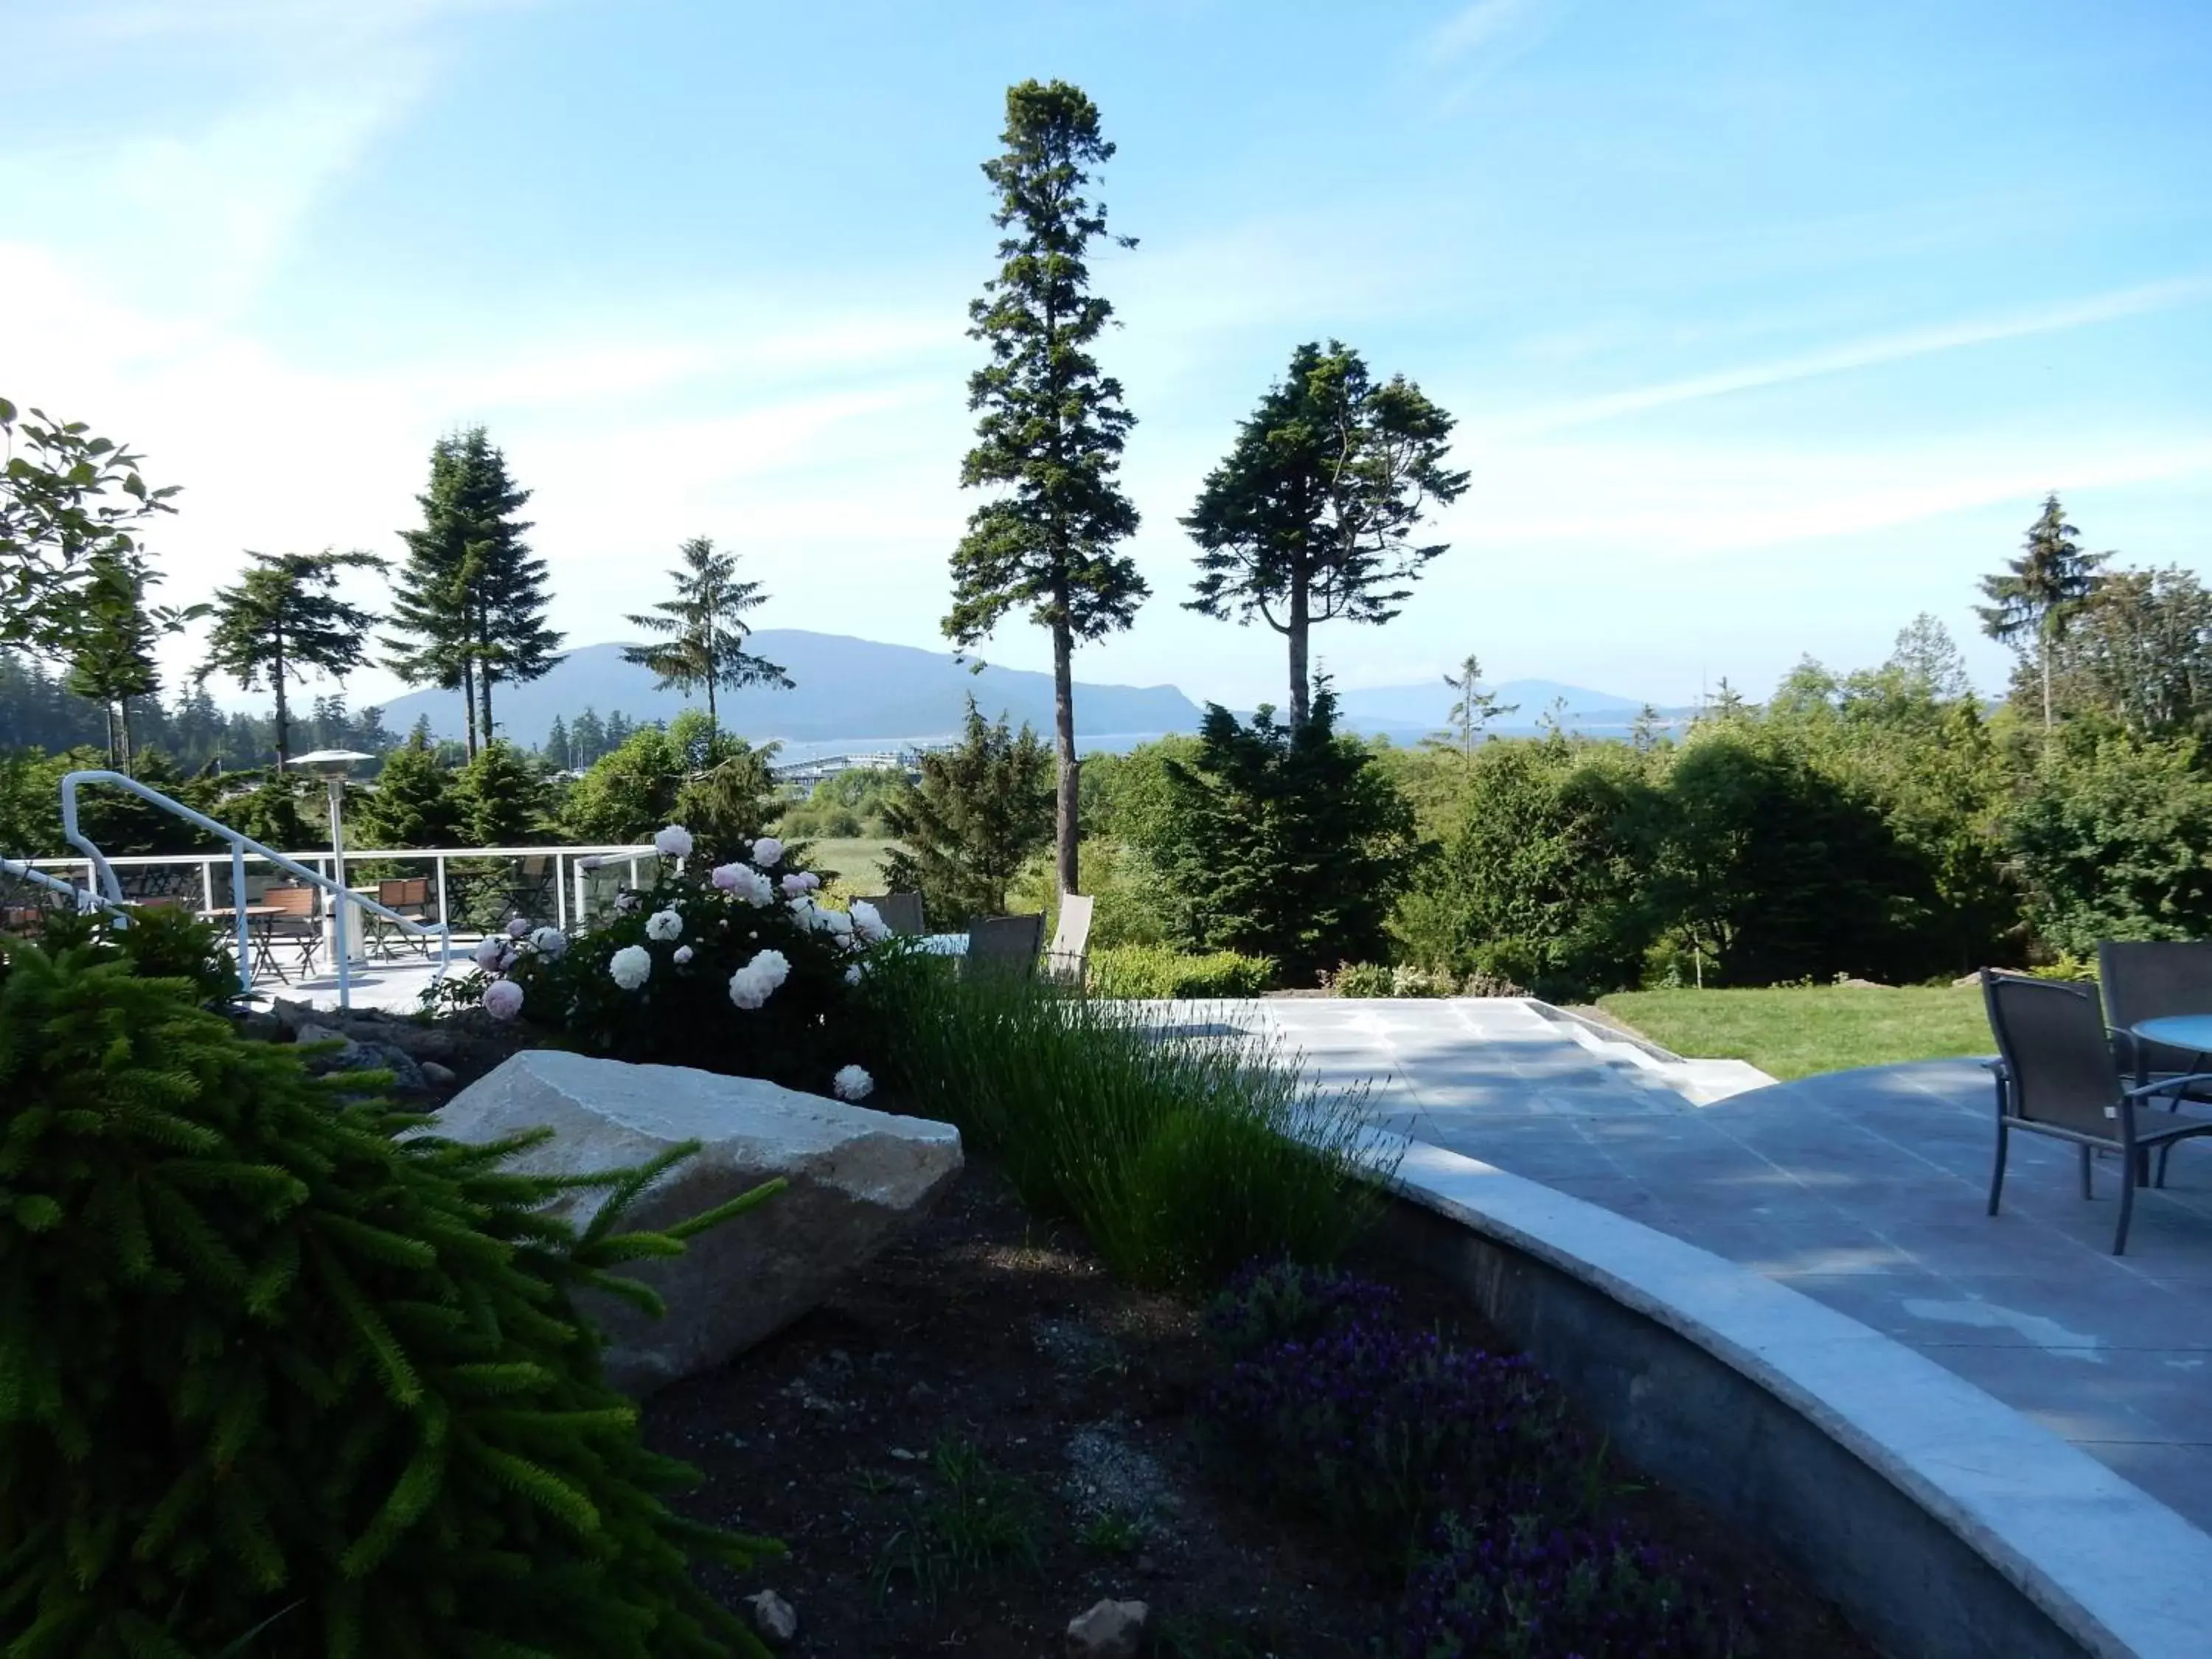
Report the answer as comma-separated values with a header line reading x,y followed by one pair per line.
x,y
332,765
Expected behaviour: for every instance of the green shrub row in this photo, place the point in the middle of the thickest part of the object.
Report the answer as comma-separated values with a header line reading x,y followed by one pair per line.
x,y
1154,971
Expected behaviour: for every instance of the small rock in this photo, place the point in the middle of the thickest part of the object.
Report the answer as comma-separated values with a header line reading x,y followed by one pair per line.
x,y
439,1077
1146,1565
904,1455
257,1027
776,1620
1112,1629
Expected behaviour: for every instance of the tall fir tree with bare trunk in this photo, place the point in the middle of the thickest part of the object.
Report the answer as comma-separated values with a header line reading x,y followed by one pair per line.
x,y
2035,597
283,621
702,630
1051,423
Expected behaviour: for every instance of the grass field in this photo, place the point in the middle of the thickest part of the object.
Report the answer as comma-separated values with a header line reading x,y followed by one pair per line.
x,y
1825,1028
858,864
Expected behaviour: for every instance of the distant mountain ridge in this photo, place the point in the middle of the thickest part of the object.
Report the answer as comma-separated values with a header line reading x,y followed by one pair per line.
x,y
843,688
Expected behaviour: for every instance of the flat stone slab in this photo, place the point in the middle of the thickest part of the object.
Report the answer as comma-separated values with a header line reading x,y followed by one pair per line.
x,y
1864,1189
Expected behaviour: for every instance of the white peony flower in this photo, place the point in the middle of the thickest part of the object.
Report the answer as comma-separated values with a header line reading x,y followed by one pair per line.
x,y
746,883
674,841
488,951
852,975
868,922
502,999
518,927
852,1084
664,926
625,902
836,922
590,861
631,966
683,955
773,966
726,876
767,851
549,941
795,884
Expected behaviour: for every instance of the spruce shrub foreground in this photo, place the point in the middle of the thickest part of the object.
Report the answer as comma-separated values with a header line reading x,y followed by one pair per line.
x,y
285,1374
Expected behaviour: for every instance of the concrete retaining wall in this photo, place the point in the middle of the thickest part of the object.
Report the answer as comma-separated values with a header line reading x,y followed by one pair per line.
x,y
1943,1522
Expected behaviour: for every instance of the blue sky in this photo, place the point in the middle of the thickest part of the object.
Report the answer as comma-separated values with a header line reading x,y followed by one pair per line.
x,y
1768,323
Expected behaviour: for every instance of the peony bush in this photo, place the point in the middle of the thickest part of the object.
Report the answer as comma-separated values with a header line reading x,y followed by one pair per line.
x,y
740,969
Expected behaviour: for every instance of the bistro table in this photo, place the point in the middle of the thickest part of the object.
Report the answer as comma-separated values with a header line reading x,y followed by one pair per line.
x,y
2191,1033
258,917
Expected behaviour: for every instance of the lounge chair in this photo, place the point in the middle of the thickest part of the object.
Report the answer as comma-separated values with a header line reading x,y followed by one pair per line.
x,y
1071,939
2055,1077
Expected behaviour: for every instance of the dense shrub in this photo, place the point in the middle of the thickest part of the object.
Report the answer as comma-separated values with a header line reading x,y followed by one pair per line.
x,y
1288,842
159,943
981,810
1517,1588
1374,979
1171,1149
1148,971
284,1365
1271,1302
1544,878
736,970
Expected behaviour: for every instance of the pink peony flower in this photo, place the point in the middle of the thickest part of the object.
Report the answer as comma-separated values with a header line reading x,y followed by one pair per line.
x,y
502,999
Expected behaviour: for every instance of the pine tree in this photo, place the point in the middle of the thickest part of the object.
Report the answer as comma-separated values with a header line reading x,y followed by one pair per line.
x,y
500,797
618,730
1311,517
556,745
112,660
703,629
413,802
469,603
979,814
2037,594
284,619
1473,709
1052,425
588,741
1285,841
288,1377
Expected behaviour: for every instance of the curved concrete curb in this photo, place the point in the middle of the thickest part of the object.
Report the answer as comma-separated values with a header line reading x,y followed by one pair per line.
x,y
1946,1523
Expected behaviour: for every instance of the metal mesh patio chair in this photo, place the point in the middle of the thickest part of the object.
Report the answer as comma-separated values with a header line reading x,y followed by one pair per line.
x,y
405,895
901,912
2055,1077
1071,939
1004,944
299,928
2145,981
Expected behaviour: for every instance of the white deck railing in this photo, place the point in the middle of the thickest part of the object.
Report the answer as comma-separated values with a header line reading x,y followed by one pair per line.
x,y
101,887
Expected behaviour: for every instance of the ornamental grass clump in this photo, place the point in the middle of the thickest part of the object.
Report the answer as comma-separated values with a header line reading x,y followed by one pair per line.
x,y
739,969
284,1373
1181,1151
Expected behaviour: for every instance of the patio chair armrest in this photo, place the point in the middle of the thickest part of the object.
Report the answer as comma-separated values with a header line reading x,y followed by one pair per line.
x,y
2167,1084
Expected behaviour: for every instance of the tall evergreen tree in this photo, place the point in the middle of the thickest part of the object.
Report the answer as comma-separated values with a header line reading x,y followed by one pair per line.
x,y
2035,597
1052,425
285,620
112,662
979,814
702,630
1929,658
413,802
588,741
556,745
1312,515
468,605
1473,709
500,796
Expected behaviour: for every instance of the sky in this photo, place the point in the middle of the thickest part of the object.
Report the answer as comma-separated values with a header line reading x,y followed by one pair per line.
x,y
1766,323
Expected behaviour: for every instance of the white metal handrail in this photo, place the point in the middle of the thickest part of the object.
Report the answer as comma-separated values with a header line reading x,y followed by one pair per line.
x,y
83,898
240,844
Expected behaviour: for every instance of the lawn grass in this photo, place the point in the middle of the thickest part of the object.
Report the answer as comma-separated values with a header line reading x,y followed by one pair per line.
x,y
1794,1032
859,862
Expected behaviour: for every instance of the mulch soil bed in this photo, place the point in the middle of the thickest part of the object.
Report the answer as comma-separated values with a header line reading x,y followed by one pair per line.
x,y
983,1434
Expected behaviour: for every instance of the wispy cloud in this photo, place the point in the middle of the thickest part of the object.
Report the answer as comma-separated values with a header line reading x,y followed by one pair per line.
x,y
1485,26
1865,352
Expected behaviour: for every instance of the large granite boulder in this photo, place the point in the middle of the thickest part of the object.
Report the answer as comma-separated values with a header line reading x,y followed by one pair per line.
x,y
857,1179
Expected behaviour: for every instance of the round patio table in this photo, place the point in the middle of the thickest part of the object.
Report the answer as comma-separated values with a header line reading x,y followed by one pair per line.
x,y
2192,1032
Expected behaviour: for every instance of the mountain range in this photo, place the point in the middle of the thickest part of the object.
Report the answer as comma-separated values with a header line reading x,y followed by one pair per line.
x,y
863,692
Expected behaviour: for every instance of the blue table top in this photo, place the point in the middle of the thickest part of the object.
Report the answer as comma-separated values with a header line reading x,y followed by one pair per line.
x,y
2189,1031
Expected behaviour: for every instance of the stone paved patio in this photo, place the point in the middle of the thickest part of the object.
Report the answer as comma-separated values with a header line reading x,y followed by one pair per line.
x,y
1862,1189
